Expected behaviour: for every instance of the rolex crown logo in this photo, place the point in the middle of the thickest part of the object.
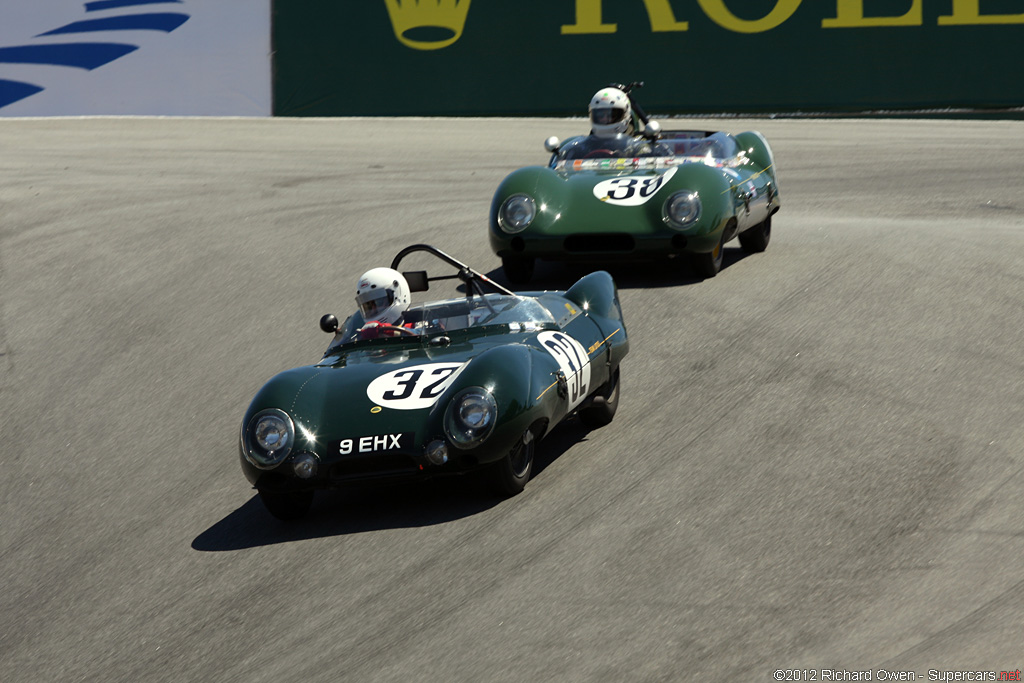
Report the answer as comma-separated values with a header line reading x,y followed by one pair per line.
x,y
428,24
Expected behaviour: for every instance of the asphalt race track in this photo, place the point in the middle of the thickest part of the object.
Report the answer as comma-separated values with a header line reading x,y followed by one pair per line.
x,y
818,462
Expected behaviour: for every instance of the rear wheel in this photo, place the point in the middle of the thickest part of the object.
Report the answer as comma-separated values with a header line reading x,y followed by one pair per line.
x,y
755,240
287,506
707,265
518,269
510,474
602,410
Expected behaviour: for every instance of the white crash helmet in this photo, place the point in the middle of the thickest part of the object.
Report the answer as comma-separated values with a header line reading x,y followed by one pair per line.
x,y
382,295
610,113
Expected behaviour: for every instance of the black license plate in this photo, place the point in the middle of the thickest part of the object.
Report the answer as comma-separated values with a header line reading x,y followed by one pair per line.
x,y
376,443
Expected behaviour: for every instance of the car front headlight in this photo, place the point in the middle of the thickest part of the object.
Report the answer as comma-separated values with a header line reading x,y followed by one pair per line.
x,y
682,209
470,417
516,213
269,438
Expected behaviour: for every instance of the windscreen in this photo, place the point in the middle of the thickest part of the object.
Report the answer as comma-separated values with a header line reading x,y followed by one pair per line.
x,y
497,311
492,309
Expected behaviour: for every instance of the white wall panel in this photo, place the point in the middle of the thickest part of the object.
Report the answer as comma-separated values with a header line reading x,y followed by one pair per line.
x,y
181,57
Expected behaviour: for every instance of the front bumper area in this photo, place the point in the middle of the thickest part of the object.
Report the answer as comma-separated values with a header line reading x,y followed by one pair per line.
x,y
584,246
396,466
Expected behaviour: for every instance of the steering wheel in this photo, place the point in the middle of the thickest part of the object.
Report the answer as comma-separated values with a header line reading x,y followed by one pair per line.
x,y
599,154
395,328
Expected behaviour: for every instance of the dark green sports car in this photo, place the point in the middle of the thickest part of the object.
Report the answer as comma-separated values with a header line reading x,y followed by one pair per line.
x,y
470,382
673,194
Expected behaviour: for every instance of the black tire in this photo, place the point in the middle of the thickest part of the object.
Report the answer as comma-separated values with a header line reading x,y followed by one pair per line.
x,y
707,265
518,269
287,506
755,240
602,410
510,474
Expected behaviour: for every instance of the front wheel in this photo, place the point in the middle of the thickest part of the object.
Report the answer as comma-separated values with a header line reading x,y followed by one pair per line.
x,y
707,265
518,269
510,474
287,505
602,410
755,240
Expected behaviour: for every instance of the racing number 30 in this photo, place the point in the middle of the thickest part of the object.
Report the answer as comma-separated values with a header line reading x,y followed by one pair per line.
x,y
627,186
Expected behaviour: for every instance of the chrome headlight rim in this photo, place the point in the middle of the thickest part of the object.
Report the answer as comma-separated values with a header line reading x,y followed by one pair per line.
x,y
513,223
461,434
682,209
257,451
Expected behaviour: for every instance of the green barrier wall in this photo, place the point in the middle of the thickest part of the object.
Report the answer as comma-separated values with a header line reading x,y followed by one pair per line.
x,y
497,57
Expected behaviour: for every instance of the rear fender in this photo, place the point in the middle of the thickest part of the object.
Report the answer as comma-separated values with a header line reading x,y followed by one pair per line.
x,y
599,297
758,150
596,293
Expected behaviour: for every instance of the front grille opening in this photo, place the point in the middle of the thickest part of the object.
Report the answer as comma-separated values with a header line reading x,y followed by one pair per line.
x,y
599,242
389,464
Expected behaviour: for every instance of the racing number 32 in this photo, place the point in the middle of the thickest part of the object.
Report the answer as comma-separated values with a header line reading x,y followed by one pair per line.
x,y
408,386
573,361
414,386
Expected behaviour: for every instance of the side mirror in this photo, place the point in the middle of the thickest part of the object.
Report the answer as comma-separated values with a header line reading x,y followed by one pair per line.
x,y
652,130
551,144
329,324
417,279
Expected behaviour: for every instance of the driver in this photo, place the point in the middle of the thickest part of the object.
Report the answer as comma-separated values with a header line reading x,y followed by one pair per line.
x,y
613,131
610,114
383,296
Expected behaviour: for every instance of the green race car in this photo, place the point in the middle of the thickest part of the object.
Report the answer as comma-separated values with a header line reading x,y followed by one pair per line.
x,y
461,384
669,194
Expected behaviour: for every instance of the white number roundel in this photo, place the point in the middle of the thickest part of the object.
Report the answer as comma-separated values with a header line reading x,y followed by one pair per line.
x,y
572,359
413,387
632,190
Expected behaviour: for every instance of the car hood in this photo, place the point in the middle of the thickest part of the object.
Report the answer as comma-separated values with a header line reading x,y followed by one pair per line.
x,y
613,199
392,388
589,200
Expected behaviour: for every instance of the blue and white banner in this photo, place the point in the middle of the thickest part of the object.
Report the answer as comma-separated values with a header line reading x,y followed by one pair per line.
x,y
135,57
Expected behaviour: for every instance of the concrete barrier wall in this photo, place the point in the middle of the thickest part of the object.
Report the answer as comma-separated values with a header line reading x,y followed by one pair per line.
x,y
456,57
145,57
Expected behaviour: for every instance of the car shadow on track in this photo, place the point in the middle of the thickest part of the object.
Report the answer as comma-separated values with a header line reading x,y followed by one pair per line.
x,y
356,511
674,272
